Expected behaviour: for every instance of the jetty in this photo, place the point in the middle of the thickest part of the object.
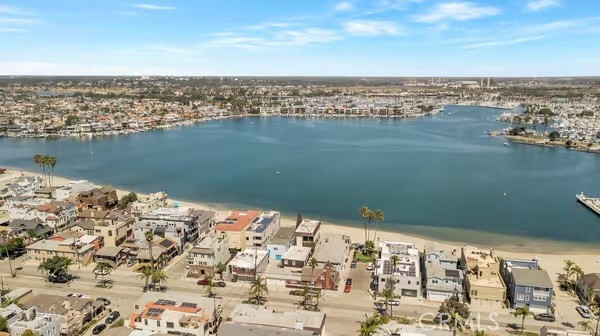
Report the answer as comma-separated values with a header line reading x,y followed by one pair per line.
x,y
592,203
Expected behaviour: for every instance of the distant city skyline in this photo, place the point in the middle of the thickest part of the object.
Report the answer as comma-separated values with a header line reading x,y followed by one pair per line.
x,y
449,38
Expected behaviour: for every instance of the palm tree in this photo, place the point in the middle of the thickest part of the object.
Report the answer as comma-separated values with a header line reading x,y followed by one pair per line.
x,y
37,159
545,123
4,235
306,297
313,263
159,277
149,236
219,269
51,164
102,268
577,271
522,312
371,324
366,214
568,268
369,248
388,294
455,323
257,289
210,286
590,296
585,325
145,273
394,259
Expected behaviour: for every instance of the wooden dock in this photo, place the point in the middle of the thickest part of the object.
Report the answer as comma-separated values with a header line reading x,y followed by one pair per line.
x,y
591,203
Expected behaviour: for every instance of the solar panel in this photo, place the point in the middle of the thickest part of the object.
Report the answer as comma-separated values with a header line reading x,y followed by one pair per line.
x,y
189,305
154,312
163,302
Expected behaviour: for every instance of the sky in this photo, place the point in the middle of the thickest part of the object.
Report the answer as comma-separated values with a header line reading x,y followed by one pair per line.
x,y
429,38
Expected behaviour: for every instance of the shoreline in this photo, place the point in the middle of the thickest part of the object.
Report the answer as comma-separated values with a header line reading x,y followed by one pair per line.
x,y
484,240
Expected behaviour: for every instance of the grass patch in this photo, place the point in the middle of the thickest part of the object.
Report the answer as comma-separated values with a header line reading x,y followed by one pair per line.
x,y
526,333
363,258
119,323
404,320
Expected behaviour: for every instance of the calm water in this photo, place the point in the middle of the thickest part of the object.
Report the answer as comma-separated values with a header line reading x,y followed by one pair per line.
x,y
439,176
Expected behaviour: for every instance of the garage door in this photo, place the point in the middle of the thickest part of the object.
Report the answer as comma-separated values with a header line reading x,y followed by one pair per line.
x,y
275,282
436,297
409,292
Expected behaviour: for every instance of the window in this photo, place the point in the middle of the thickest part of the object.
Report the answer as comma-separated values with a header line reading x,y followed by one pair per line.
x,y
527,289
275,248
137,307
110,233
170,325
409,282
526,297
158,323
520,297
539,298
146,321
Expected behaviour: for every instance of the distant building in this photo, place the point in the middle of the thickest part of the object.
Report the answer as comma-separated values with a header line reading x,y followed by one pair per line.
x,y
406,273
308,233
70,248
296,256
148,203
22,185
40,324
207,254
73,189
176,313
181,225
332,248
235,227
115,226
104,198
590,280
284,238
561,331
531,288
262,229
443,278
484,286
247,264
286,321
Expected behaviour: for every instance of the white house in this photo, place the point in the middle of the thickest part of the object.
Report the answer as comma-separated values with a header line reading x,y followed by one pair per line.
x,y
406,272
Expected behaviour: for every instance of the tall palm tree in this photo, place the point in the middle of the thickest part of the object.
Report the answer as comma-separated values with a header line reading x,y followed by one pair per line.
x,y
210,286
366,214
577,271
522,312
257,289
219,269
4,235
149,236
568,268
51,164
590,296
388,294
313,263
371,324
159,277
394,259
145,273
102,268
455,322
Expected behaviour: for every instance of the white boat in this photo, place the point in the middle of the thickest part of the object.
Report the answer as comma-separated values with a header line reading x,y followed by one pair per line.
x,y
506,144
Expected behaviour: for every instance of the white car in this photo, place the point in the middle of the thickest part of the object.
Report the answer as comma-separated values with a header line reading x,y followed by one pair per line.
x,y
394,302
101,272
77,295
584,311
370,266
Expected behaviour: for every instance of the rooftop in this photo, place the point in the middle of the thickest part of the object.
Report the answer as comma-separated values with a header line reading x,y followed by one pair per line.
x,y
299,253
285,235
262,315
308,226
153,305
332,248
237,221
236,329
262,222
531,277
247,259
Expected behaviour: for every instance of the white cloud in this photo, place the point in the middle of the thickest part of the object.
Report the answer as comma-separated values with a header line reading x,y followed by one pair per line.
x,y
344,6
152,7
458,11
17,21
268,25
505,42
10,10
536,5
371,28
395,4
11,30
282,38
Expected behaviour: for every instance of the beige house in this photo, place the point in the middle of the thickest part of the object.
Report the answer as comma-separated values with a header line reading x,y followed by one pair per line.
x,y
69,248
115,226
483,284
235,227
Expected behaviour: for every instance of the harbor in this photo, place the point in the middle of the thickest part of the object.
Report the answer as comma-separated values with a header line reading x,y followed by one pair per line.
x,y
590,202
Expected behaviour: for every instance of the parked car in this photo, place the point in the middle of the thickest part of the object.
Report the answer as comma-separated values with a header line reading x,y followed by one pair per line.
x,y
59,278
112,317
349,282
370,266
348,286
353,264
130,262
202,282
101,272
394,302
104,300
220,284
99,328
77,295
296,292
544,317
584,311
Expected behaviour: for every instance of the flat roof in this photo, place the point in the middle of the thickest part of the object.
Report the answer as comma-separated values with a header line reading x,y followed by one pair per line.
x,y
299,253
253,314
237,220
332,248
284,235
531,277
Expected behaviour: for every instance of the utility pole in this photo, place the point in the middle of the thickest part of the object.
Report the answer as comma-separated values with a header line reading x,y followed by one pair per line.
x,y
255,263
1,289
12,275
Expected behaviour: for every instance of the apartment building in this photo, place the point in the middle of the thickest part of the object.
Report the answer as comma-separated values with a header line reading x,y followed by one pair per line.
x,y
403,269
115,225
262,229
207,254
176,313
19,186
148,203
103,198
178,224
39,324
70,248
247,264
308,232
442,276
73,188
484,286
72,313
235,227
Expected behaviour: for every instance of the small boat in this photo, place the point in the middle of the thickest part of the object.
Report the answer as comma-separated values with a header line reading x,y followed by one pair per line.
x,y
506,144
277,173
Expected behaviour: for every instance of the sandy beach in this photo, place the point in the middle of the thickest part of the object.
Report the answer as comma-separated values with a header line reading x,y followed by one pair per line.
x,y
550,254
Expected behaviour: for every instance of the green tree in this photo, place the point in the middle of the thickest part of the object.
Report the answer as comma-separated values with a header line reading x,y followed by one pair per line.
x,y
149,236
585,325
590,296
71,120
369,248
126,200
371,324
145,273
388,294
29,332
210,286
522,312
159,277
257,290
453,305
313,263
55,266
568,268
220,269
3,325
370,217
102,268
455,322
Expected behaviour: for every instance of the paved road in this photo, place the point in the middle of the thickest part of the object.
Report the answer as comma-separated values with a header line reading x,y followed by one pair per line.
x,y
344,310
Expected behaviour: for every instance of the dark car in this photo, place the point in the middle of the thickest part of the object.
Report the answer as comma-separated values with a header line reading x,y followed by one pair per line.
x,y
220,284
544,317
99,328
63,278
296,292
349,282
103,300
112,317
353,264
202,282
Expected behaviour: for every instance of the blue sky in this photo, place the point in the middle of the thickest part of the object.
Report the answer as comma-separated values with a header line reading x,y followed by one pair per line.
x,y
301,37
